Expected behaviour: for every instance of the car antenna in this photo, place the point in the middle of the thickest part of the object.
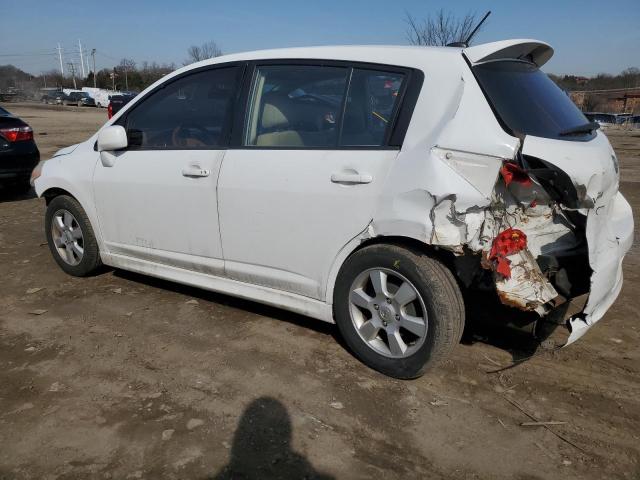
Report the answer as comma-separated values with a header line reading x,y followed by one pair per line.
x,y
465,43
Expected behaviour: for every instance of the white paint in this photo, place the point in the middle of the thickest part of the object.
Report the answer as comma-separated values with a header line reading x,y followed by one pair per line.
x,y
112,138
540,52
275,226
145,200
283,219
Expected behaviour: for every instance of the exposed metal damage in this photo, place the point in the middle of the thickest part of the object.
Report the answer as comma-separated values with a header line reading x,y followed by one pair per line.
x,y
532,226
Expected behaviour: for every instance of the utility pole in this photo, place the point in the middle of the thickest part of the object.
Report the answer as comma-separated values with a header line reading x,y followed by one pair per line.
x,y
93,54
60,57
72,67
81,59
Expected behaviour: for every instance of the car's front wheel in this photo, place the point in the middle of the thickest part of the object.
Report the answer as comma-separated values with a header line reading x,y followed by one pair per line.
x,y
399,310
70,237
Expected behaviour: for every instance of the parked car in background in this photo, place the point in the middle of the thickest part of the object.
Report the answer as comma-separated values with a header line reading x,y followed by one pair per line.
x,y
103,97
602,119
18,152
81,99
366,186
52,97
621,118
633,121
116,102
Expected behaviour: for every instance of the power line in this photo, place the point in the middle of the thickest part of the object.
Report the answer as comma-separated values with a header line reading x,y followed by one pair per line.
x,y
27,54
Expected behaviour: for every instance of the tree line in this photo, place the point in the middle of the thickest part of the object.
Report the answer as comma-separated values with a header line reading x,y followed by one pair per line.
x,y
439,28
127,75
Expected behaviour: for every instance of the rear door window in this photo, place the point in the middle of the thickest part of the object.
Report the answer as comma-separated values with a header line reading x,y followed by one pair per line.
x,y
527,101
296,106
371,107
313,106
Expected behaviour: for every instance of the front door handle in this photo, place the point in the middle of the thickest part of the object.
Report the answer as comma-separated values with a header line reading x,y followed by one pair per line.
x,y
351,177
195,171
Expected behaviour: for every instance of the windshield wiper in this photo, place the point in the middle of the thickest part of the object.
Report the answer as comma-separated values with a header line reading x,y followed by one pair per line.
x,y
584,128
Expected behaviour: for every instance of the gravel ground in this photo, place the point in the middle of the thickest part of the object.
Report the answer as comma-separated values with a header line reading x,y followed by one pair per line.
x,y
122,376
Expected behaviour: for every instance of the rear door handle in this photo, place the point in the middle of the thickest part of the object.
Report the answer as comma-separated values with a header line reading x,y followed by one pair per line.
x,y
344,177
195,171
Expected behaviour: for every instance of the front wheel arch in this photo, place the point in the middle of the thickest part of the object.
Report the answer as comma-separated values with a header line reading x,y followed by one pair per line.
x,y
54,192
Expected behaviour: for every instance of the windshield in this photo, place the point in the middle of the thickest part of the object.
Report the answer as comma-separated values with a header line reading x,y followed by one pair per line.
x,y
527,101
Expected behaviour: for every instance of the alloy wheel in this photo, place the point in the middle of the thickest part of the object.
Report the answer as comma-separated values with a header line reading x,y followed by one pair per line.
x,y
67,237
388,312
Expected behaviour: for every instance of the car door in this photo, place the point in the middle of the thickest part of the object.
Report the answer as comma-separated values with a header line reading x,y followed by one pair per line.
x,y
157,201
307,173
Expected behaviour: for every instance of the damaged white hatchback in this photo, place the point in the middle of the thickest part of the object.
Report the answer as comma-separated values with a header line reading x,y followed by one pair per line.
x,y
368,186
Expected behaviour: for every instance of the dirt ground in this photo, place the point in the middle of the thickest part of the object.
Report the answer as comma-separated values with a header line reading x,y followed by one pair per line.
x,y
128,377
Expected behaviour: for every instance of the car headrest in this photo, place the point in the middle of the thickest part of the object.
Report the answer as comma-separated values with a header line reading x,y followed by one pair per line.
x,y
273,118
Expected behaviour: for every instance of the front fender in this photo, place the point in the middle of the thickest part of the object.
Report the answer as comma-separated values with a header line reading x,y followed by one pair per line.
x,y
73,174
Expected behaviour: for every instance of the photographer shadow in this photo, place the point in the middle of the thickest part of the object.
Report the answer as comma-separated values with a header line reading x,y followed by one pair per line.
x,y
262,446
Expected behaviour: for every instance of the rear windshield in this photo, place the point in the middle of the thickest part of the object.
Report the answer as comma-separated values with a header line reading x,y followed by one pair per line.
x,y
527,101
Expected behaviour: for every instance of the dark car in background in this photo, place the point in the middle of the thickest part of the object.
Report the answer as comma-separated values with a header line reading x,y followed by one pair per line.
x,y
81,99
53,97
602,119
116,102
18,152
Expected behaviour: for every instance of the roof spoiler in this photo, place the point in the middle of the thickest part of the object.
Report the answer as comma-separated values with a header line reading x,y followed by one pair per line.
x,y
522,49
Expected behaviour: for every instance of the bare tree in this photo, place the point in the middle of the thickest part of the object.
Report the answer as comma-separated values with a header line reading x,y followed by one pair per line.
x,y
127,65
592,103
440,29
206,50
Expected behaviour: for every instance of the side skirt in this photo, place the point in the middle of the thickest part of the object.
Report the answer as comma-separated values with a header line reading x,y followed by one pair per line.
x,y
257,293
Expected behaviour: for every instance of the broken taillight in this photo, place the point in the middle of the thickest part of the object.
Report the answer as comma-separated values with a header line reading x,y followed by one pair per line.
x,y
507,243
511,172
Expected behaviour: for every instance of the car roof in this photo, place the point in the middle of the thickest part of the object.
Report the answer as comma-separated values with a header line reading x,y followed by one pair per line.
x,y
401,55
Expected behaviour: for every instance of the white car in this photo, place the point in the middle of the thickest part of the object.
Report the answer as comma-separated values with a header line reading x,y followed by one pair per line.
x,y
363,185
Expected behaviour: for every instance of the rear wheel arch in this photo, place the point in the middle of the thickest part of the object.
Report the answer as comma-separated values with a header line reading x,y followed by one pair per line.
x,y
444,256
418,265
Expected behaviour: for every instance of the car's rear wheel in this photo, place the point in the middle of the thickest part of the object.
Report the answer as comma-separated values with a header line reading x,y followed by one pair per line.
x,y
400,311
70,237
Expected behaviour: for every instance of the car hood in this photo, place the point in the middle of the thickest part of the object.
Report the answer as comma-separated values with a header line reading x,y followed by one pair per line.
x,y
65,150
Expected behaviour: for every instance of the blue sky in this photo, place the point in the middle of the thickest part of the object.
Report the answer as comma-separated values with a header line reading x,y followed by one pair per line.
x,y
588,36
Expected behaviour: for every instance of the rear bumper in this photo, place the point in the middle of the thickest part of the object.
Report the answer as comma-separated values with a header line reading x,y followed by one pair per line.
x,y
16,166
610,236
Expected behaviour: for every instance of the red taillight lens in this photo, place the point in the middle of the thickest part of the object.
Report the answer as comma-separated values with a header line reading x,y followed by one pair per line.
x,y
507,243
17,134
511,172
109,110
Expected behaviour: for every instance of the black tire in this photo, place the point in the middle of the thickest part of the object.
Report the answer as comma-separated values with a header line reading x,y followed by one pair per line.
x,y
90,261
439,291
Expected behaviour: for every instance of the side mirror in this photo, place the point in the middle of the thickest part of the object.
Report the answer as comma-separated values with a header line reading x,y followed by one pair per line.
x,y
112,138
